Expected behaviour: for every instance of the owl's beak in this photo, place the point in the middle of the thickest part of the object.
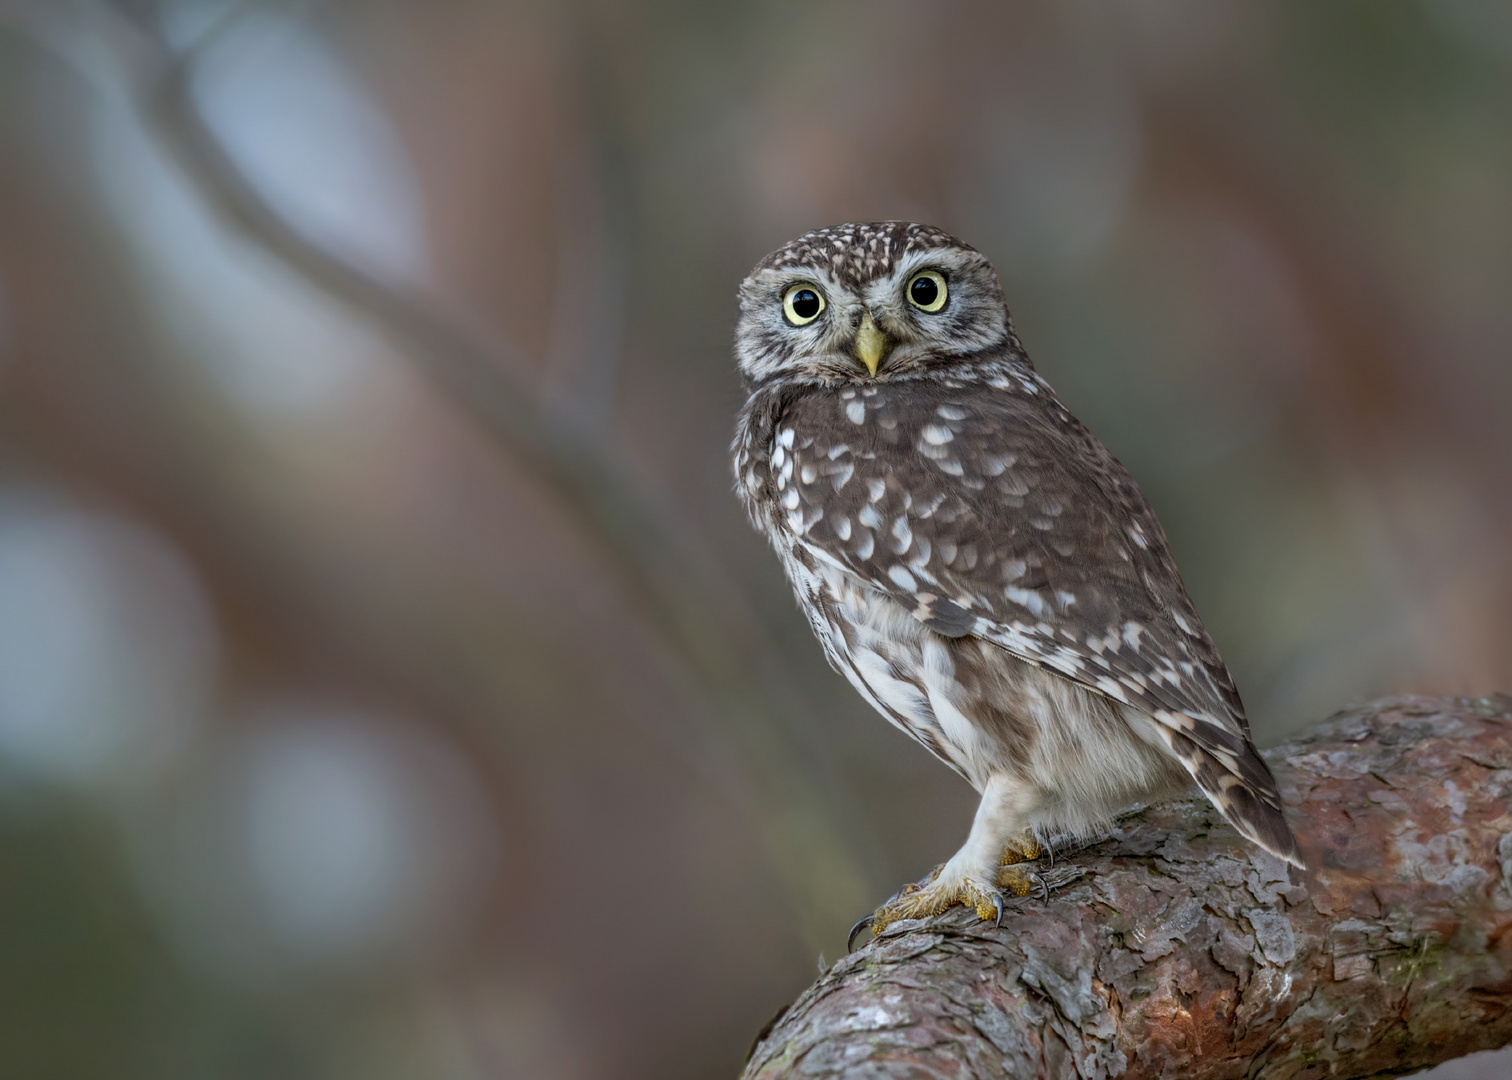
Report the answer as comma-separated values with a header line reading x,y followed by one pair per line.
x,y
871,344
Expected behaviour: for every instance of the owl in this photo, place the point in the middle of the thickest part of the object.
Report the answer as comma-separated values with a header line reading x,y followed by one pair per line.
x,y
984,572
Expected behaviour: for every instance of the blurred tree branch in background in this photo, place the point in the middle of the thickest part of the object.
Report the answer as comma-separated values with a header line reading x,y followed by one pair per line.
x,y
1176,950
693,606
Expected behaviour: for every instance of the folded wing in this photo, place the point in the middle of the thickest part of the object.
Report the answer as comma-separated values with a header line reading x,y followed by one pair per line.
x,y
987,510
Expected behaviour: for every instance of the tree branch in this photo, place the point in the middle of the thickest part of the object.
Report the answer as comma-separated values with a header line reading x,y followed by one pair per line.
x,y
673,581
1176,950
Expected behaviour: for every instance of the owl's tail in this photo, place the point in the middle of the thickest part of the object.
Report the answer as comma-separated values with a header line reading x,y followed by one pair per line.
x,y
1235,777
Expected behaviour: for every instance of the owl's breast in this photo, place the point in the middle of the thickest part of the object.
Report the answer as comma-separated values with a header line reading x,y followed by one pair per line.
x,y
903,669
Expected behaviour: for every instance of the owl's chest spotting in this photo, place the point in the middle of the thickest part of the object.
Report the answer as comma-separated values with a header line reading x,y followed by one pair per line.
x,y
897,665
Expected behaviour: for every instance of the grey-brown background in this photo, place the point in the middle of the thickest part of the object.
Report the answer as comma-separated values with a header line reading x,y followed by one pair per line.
x,y
334,743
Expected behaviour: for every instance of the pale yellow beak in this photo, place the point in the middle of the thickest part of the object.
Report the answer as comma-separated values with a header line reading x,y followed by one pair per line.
x,y
871,343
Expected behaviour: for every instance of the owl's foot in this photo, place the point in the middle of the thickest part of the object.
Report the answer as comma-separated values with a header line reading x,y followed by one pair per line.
x,y
1013,875
1021,849
916,901
946,887
982,892
1021,881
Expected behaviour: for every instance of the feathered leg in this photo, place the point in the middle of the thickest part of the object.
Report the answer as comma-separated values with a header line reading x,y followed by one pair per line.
x,y
987,863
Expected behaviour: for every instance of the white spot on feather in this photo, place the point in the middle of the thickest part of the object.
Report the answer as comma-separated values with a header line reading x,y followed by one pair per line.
x,y
902,533
855,412
902,578
1026,598
1113,689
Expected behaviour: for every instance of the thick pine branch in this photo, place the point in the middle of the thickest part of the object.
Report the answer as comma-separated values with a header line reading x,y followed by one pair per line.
x,y
1175,950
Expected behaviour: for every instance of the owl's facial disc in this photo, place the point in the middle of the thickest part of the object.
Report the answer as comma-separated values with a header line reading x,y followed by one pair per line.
x,y
879,300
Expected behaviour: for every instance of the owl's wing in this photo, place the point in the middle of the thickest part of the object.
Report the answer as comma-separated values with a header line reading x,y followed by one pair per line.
x,y
988,510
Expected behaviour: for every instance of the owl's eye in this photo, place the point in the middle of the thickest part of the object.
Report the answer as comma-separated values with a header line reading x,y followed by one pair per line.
x,y
926,290
802,304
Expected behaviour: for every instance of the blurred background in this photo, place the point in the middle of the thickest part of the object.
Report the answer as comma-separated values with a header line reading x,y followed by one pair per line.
x,y
389,683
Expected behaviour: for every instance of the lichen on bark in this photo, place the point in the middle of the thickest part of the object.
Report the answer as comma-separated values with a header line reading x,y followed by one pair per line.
x,y
1174,949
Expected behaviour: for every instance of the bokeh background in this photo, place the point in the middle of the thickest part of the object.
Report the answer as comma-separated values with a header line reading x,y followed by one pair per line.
x,y
389,683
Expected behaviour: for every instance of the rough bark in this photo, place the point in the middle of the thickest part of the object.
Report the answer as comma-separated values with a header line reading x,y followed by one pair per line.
x,y
1176,950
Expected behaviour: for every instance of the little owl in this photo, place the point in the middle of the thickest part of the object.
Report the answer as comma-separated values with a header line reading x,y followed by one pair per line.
x,y
982,569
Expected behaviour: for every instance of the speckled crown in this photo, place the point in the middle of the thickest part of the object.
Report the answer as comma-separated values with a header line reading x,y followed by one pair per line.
x,y
858,252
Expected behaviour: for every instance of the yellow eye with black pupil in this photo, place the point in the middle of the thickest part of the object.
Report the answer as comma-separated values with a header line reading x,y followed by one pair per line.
x,y
926,290
802,304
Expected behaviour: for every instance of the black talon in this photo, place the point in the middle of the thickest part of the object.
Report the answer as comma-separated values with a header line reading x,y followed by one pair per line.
x,y
850,939
997,902
1043,888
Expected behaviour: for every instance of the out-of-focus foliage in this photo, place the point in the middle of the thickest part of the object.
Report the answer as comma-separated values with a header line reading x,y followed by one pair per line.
x,y
329,743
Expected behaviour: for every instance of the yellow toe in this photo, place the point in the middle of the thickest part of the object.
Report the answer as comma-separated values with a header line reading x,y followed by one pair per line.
x,y
1022,848
1019,880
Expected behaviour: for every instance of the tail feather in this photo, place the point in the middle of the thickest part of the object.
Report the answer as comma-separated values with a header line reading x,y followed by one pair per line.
x,y
1241,786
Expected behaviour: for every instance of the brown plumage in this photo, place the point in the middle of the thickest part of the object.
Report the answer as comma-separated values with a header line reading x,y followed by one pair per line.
x,y
978,565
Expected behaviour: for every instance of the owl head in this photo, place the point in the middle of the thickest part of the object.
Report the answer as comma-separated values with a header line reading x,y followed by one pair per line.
x,y
873,300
